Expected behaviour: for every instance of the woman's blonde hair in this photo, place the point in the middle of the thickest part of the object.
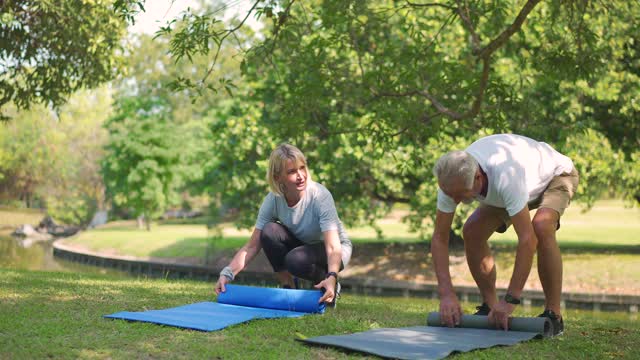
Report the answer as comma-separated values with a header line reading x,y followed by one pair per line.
x,y
278,163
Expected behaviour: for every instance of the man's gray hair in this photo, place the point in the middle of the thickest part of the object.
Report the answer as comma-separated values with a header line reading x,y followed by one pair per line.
x,y
456,165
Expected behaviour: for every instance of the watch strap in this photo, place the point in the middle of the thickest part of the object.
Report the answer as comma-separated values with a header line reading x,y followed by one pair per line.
x,y
509,299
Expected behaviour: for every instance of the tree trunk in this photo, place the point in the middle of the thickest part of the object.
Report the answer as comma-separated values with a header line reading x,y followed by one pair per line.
x,y
140,220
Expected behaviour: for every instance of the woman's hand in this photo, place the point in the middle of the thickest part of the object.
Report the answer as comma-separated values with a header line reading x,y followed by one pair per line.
x,y
329,285
220,285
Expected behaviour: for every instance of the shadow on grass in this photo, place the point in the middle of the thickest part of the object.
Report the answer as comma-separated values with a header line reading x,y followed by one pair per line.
x,y
59,315
188,221
585,247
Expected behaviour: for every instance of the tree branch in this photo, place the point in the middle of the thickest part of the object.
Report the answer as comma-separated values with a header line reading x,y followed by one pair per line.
x,y
484,55
228,32
465,16
429,5
502,39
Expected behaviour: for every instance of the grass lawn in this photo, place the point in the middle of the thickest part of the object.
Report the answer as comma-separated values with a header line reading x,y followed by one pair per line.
x,y
601,249
58,315
10,218
608,225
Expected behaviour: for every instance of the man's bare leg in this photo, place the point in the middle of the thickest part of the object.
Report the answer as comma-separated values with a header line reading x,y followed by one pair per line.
x,y
549,258
476,232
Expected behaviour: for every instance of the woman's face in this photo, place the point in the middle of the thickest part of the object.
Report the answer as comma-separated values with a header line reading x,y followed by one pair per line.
x,y
294,177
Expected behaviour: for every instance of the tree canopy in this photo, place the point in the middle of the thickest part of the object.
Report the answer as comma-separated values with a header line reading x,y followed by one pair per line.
x,y
50,49
374,92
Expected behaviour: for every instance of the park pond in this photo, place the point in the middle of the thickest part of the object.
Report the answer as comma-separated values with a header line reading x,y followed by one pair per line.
x,y
25,254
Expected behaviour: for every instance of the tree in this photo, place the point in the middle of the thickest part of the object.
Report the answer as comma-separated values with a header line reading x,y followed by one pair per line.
x,y
375,91
50,159
31,155
142,165
50,49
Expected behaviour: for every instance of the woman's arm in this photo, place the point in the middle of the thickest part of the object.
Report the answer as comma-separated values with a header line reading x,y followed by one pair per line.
x,y
240,260
334,260
334,250
244,256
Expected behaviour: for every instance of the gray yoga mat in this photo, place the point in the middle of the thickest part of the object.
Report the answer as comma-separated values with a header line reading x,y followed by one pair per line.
x,y
436,341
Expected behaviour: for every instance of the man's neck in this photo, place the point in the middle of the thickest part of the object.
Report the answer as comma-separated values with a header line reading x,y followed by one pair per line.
x,y
485,183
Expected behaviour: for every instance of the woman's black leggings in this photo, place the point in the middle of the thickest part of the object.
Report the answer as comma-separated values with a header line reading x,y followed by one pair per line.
x,y
286,253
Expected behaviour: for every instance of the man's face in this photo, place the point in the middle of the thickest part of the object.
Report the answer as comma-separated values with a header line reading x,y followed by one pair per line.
x,y
459,193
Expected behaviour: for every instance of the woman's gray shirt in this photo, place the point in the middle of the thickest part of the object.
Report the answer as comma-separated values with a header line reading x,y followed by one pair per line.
x,y
314,214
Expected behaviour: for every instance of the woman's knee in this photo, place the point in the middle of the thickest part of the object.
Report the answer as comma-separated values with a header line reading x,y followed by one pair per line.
x,y
297,263
270,232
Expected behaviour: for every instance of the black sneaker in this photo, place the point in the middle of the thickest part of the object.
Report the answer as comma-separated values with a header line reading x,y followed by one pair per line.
x,y
334,302
483,310
557,324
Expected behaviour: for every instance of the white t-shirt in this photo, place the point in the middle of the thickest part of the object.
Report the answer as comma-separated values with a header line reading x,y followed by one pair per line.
x,y
314,214
518,169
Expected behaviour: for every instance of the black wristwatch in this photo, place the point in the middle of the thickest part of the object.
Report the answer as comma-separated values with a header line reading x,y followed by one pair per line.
x,y
331,273
509,299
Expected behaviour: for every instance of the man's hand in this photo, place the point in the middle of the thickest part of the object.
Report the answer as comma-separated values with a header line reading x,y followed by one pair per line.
x,y
450,311
500,313
220,285
329,285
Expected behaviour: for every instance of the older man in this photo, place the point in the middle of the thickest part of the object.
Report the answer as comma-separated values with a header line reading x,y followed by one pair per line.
x,y
508,175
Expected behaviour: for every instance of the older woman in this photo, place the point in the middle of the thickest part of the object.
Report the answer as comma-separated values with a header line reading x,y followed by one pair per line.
x,y
298,227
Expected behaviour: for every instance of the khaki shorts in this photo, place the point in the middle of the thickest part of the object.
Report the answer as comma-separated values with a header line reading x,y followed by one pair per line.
x,y
556,196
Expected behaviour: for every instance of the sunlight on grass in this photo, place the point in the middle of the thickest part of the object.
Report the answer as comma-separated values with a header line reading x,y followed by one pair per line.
x,y
45,323
608,222
15,217
128,240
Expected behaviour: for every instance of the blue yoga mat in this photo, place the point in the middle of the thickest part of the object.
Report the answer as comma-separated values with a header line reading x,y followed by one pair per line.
x,y
237,305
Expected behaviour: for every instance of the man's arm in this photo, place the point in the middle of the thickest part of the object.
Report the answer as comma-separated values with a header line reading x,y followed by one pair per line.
x,y
450,311
527,244
440,252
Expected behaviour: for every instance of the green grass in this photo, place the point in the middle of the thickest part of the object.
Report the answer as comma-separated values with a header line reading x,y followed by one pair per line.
x,y
608,228
58,315
607,223
10,218
162,241
601,249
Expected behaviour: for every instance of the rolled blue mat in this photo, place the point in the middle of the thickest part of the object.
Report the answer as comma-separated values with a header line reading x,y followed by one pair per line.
x,y
305,301
237,305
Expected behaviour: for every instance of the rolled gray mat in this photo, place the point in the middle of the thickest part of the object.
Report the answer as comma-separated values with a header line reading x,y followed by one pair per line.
x,y
539,325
